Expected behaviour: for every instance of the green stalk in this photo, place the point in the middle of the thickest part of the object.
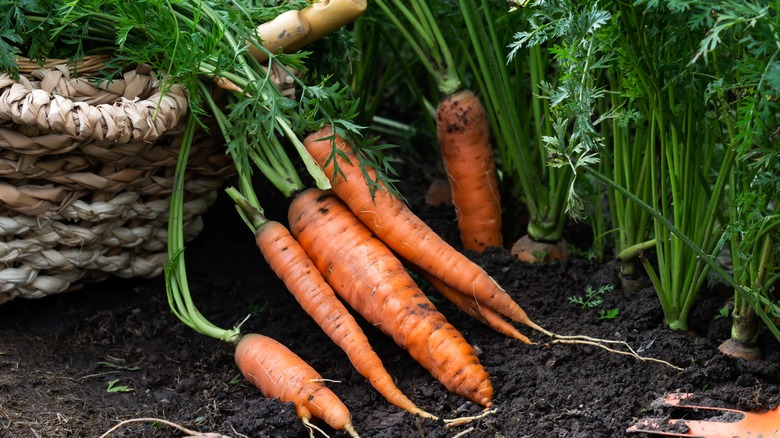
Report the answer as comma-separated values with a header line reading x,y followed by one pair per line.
x,y
542,119
707,235
706,258
250,210
283,123
745,326
176,284
752,266
426,40
280,171
637,249
632,152
371,39
678,180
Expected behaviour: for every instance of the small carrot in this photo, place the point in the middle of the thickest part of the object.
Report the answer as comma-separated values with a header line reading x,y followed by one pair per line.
x,y
279,373
471,306
227,84
405,233
464,141
289,261
366,274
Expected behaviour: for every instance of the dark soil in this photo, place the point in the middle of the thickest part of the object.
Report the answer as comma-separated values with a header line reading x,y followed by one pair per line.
x,y
59,355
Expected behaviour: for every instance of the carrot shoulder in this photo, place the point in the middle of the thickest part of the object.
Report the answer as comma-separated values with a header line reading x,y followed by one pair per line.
x,y
464,140
290,262
400,229
279,373
367,275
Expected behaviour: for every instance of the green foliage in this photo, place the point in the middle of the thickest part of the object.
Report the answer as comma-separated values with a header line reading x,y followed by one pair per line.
x,y
593,297
608,314
114,387
741,46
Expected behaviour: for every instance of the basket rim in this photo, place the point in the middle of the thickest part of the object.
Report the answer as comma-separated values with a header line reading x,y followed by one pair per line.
x,y
87,66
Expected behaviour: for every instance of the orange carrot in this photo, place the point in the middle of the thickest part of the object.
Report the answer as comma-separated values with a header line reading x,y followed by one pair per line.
x,y
366,274
290,262
464,140
279,373
400,229
469,305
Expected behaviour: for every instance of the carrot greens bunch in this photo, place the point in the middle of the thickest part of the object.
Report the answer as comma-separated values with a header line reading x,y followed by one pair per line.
x,y
700,159
740,45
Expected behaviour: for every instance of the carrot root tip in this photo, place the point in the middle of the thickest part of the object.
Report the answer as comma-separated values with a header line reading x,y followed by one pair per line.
x,y
351,431
454,422
311,428
428,415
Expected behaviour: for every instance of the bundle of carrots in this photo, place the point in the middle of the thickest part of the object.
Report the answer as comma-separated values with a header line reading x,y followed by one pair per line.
x,y
366,273
378,236
293,266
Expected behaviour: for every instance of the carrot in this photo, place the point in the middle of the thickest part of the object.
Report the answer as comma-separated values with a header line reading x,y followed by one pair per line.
x,y
366,274
472,308
528,250
290,262
464,140
279,373
400,229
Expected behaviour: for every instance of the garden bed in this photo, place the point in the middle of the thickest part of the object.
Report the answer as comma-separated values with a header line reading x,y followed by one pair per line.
x,y
59,354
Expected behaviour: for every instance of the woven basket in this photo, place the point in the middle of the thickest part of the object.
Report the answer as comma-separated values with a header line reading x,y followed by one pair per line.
x,y
86,170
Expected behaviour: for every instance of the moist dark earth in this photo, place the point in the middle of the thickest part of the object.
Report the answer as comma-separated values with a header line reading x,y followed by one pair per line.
x,y
59,355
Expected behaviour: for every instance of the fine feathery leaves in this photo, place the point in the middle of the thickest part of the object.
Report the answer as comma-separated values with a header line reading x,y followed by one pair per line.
x,y
580,47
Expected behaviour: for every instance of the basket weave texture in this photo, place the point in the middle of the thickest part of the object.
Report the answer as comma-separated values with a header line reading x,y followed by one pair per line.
x,y
86,171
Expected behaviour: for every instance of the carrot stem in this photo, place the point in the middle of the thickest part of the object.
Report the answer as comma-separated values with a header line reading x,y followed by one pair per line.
x,y
176,284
